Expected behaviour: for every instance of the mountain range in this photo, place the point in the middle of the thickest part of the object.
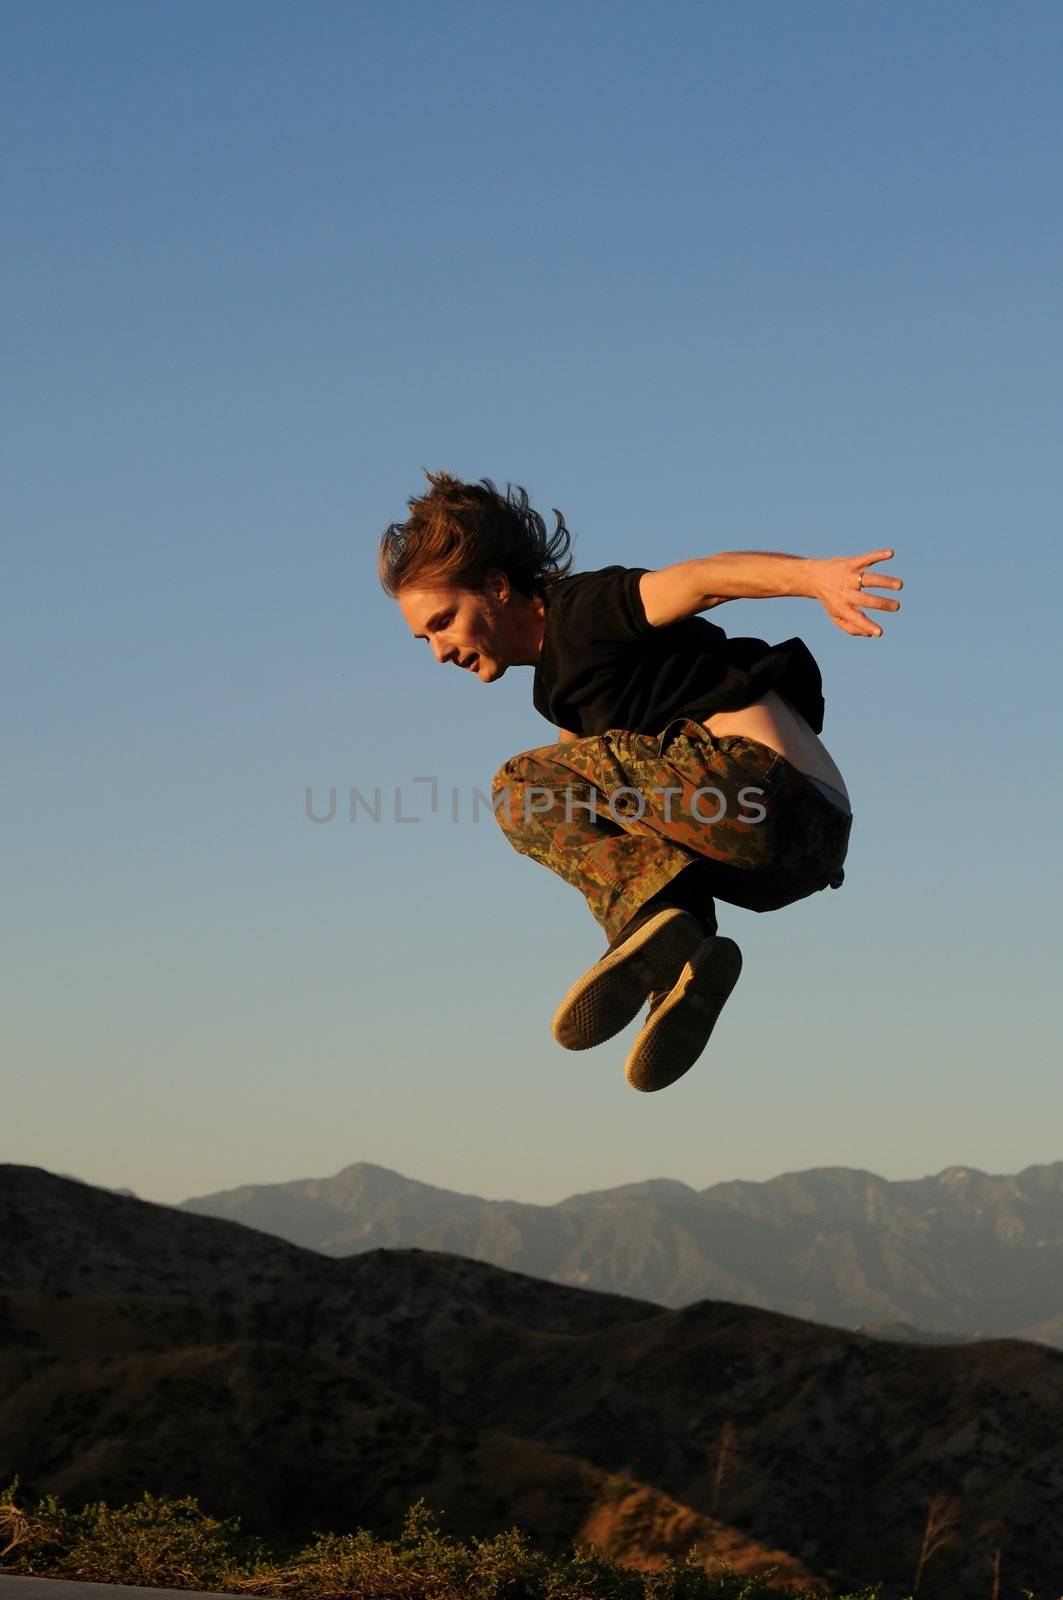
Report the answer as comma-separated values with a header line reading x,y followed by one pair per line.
x,y
960,1255
145,1347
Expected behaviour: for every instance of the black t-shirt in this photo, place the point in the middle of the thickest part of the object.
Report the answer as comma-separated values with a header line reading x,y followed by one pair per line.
x,y
602,665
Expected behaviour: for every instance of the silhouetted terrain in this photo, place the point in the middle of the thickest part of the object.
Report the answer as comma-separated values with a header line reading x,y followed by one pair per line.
x,y
145,1347
961,1254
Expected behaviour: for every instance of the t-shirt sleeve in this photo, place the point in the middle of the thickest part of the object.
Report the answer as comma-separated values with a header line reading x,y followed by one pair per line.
x,y
605,607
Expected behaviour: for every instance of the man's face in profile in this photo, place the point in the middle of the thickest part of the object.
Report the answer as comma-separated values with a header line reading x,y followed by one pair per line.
x,y
467,627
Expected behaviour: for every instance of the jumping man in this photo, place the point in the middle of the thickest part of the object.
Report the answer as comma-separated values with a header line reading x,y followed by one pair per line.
x,y
689,767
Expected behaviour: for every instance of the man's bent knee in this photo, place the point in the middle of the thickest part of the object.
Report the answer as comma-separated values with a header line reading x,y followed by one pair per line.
x,y
505,774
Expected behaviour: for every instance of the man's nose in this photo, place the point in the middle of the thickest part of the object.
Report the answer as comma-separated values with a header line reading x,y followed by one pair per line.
x,y
443,652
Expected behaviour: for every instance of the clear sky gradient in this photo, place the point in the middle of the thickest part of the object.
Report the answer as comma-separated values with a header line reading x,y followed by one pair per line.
x,y
704,276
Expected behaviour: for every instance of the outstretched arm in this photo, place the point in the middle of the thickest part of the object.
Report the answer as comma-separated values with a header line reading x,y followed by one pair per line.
x,y
839,583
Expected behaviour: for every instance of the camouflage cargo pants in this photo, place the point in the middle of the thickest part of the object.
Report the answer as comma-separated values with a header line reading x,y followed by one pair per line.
x,y
619,815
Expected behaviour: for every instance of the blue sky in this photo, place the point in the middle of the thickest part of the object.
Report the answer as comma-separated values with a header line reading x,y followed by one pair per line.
x,y
705,277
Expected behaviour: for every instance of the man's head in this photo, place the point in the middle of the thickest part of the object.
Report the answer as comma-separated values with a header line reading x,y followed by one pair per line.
x,y
471,572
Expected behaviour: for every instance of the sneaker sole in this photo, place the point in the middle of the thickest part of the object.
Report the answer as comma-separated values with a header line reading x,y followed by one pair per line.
x,y
680,1028
607,997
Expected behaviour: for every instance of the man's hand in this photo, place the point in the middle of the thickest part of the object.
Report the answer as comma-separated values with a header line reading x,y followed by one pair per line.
x,y
841,584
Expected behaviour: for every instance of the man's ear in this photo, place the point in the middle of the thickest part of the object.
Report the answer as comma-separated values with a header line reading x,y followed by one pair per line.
x,y
497,584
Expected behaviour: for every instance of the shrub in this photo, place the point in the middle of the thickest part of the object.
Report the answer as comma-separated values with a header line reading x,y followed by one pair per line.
x,y
159,1542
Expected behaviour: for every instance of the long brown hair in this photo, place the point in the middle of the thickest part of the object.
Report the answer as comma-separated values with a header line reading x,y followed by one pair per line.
x,y
459,531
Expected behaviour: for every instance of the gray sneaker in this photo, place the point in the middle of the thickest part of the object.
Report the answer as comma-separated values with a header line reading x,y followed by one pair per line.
x,y
646,955
681,1021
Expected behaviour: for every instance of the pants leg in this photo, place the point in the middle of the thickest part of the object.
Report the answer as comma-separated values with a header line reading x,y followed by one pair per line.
x,y
553,808
620,815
